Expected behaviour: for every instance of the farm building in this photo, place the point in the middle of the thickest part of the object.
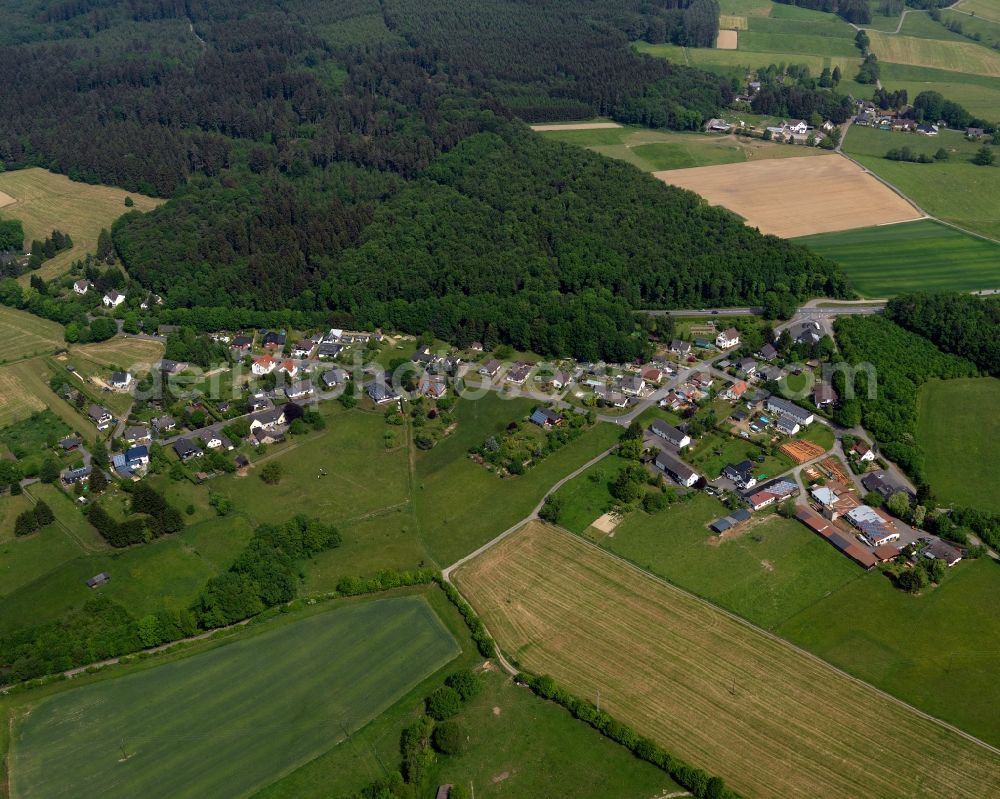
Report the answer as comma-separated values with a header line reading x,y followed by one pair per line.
x,y
98,579
940,550
775,491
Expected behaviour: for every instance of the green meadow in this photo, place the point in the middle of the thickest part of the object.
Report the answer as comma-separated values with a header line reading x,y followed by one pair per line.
x,y
958,427
914,256
939,651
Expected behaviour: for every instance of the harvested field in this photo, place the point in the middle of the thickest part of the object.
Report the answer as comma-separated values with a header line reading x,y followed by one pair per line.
x,y
791,197
802,451
25,334
577,126
732,22
727,40
770,719
134,354
45,201
6,199
967,57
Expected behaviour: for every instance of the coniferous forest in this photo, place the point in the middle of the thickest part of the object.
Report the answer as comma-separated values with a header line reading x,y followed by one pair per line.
x,y
369,159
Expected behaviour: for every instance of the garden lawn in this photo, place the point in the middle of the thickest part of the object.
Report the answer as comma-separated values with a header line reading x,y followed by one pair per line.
x,y
958,427
459,505
914,256
939,651
587,497
767,573
710,454
336,672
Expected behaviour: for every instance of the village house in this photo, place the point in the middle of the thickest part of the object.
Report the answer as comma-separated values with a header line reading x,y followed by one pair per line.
x,y
490,368
680,347
70,444
432,386
824,395
560,380
741,474
170,367
162,424
273,341
767,353
137,457
770,493
747,366
771,373
545,417
136,435
883,484
79,475
303,349
735,390
329,349
113,299
863,451
120,381
613,398
702,380
333,378
298,390
187,449
718,126
633,386
670,434
258,402
786,425
262,435
519,373
100,416
380,393
782,407
263,365
676,469
269,419
652,374
241,344
943,551
728,338
81,287
975,133
289,368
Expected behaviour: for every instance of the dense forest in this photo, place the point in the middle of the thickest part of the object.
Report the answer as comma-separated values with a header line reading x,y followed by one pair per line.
x,y
902,361
961,324
365,160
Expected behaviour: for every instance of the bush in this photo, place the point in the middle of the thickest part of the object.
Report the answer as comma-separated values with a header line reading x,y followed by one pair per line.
x,y
43,514
465,682
271,473
654,502
443,703
448,738
551,510
25,523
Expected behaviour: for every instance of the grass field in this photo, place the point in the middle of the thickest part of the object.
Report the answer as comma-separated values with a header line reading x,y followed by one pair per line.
x,y
27,335
336,670
653,150
981,8
766,574
958,427
915,256
980,94
45,201
136,355
953,56
24,389
769,719
769,196
939,651
988,30
459,505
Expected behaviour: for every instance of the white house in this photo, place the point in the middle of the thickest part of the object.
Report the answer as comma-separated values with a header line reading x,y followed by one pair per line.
x,y
81,286
263,365
677,469
137,456
290,368
120,381
797,126
268,419
863,451
113,299
728,338
669,433
633,386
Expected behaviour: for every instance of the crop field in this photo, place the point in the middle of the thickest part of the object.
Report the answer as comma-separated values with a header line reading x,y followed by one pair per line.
x,y
940,651
45,201
146,734
958,427
771,195
767,572
953,56
25,334
654,150
766,717
733,22
915,256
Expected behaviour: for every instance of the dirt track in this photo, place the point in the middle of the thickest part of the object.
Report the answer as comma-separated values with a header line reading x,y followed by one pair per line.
x,y
577,126
792,197
770,719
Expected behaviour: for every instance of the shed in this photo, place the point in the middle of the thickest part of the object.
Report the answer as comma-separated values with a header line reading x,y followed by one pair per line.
x,y
720,525
98,579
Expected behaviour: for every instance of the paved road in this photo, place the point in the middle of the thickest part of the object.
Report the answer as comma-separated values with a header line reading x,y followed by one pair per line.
x,y
704,312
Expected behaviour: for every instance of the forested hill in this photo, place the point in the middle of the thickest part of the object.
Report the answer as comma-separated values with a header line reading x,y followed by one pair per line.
x,y
362,156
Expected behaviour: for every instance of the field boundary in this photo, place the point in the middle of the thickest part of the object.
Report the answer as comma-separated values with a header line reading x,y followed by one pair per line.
x,y
732,616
